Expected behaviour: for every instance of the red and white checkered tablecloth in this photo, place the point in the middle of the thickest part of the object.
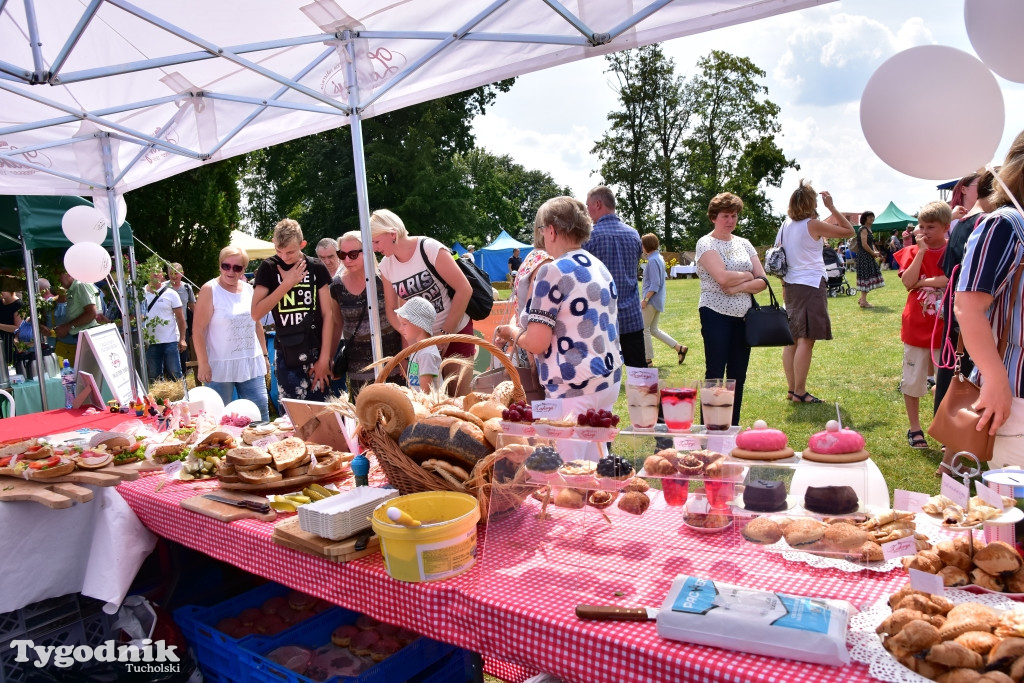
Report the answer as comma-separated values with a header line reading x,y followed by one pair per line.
x,y
516,606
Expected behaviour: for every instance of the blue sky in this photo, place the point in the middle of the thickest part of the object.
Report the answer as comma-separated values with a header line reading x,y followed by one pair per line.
x,y
817,63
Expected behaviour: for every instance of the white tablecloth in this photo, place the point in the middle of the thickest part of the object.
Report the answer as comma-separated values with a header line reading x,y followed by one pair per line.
x,y
93,548
678,271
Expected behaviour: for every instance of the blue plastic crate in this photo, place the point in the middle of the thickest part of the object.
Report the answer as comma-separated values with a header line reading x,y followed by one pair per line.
x,y
219,655
458,667
404,665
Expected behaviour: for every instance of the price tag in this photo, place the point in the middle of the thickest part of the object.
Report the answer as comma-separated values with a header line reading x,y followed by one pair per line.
x,y
266,441
172,468
955,491
929,583
901,547
989,496
641,377
911,501
686,443
550,409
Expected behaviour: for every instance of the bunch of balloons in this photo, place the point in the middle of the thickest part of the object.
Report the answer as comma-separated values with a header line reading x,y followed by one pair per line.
x,y
911,121
86,228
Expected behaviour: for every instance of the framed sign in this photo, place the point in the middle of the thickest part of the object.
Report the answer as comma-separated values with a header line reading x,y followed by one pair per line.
x,y
101,353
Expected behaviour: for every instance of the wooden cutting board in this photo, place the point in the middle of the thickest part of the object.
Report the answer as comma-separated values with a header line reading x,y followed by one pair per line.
x,y
291,483
225,512
110,475
52,495
289,534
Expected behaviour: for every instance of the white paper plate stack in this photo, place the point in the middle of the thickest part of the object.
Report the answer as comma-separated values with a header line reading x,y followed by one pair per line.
x,y
343,515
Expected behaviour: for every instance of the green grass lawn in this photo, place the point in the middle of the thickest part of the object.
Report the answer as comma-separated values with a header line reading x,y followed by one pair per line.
x,y
859,368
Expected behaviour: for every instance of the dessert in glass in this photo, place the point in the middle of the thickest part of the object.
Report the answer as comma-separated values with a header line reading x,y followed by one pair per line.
x,y
716,399
675,491
642,400
677,404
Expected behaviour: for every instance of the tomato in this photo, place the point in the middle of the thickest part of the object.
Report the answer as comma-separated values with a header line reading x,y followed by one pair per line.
x,y
4,462
33,449
52,461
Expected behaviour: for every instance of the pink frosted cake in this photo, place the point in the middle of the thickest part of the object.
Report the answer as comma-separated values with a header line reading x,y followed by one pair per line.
x,y
762,443
836,444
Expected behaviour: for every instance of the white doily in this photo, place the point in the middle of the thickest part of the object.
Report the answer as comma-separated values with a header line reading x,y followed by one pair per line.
x,y
866,647
830,562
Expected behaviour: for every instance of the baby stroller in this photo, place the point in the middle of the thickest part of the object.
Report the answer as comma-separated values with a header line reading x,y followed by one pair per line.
x,y
835,273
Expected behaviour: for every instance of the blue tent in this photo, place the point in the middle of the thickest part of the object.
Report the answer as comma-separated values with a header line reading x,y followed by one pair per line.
x,y
494,257
459,249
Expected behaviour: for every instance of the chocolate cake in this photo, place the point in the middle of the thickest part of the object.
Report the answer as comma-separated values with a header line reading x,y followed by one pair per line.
x,y
764,496
831,500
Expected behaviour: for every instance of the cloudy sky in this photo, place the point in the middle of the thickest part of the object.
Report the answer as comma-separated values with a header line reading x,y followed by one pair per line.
x,y
817,63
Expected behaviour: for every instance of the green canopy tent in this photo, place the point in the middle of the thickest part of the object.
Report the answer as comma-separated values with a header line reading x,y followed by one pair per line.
x,y
892,219
31,223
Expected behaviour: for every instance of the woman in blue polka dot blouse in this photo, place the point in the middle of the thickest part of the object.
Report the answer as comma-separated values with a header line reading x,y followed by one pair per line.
x,y
569,322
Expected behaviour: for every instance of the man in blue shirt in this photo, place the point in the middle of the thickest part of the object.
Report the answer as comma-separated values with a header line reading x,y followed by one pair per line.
x,y
618,247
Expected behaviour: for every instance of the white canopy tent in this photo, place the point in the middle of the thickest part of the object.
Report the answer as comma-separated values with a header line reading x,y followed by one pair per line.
x,y
254,246
98,97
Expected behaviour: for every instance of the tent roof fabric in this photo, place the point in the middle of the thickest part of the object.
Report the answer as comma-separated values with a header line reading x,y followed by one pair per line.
x,y
506,241
254,247
892,219
170,86
37,220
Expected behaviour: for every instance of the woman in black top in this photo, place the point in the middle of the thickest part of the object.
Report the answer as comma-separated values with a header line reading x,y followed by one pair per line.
x,y
869,275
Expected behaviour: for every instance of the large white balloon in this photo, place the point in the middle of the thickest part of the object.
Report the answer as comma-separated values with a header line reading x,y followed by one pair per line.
x,y
84,224
994,29
87,262
103,206
912,127
243,406
209,399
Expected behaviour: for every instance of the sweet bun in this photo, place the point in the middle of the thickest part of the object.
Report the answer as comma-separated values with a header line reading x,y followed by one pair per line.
x,y
461,414
387,402
570,498
492,430
762,530
634,502
953,577
485,410
474,397
803,531
657,465
845,536
997,558
504,393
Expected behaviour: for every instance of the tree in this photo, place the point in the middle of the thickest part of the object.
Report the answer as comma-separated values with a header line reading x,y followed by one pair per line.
x,y
731,146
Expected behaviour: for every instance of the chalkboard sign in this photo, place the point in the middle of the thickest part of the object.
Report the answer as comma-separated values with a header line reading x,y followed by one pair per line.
x,y
101,353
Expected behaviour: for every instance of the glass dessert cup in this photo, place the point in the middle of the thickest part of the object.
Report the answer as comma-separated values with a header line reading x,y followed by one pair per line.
x,y
716,401
678,405
642,401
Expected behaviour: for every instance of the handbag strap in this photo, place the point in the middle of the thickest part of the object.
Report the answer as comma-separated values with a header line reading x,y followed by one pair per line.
x,y
774,303
1001,346
362,317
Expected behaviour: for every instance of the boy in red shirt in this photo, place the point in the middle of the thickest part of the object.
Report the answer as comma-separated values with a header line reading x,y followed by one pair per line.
x,y
921,272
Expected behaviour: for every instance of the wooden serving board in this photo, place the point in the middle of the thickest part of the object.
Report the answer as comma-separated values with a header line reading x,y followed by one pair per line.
x,y
289,534
291,483
52,495
110,475
225,512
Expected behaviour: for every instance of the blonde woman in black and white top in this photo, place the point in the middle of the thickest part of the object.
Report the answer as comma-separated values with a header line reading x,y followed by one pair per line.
x,y
729,272
802,235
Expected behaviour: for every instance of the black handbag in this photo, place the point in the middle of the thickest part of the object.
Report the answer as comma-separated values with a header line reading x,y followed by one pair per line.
x,y
767,325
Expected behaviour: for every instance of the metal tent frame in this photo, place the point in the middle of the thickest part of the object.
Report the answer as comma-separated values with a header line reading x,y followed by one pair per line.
x,y
121,140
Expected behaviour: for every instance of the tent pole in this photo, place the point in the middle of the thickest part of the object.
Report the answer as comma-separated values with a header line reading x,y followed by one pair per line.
x,y
30,285
362,200
133,274
126,329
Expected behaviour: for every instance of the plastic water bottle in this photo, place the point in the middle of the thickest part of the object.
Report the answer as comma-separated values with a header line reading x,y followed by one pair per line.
x,y
68,379
360,469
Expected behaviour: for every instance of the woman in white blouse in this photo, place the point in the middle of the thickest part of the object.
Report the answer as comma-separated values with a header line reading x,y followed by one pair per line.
x,y
803,236
230,346
729,272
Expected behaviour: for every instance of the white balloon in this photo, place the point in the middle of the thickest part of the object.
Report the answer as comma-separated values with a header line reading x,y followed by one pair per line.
x,y
209,399
87,262
994,29
103,206
84,224
923,134
243,406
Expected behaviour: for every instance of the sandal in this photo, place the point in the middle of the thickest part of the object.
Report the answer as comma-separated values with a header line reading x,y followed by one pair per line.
x,y
790,395
916,439
805,398
943,467
864,305
681,352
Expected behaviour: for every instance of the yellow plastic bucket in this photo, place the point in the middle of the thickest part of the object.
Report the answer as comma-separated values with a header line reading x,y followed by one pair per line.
x,y
443,547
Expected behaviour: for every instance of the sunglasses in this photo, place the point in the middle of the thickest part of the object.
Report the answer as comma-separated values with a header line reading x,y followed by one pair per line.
x,y
350,255
232,267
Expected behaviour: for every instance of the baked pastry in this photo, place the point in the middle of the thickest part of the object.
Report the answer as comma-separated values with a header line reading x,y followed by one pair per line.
x,y
570,498
762,530
981,642
953,577
869,551
543,464
803,531
992,582
690,466
384,648
954,655
578,472
443,436
835,445
634,502
844,536
363,642
636,484
831,500
762,443
764,496
659,466
997,558
613,472
601,499
342,636
387,402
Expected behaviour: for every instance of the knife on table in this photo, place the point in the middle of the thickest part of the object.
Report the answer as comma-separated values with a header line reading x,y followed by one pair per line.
x,y
254,505
613,613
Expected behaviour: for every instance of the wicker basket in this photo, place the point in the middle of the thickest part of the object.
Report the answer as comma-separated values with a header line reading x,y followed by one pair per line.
x,y
407,476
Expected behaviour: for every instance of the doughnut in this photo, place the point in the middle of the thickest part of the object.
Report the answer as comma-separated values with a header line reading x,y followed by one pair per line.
x,y
835,441
761,439
389,401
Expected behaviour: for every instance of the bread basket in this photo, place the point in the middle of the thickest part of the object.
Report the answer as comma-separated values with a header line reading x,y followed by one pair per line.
x,y
407,476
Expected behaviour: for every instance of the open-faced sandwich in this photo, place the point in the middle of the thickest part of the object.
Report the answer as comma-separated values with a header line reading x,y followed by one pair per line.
x,y
93,460
30,449
50,468
185,434
168,451
125,449
215,444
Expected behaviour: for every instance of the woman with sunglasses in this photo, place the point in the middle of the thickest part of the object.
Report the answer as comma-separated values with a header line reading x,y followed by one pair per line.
x,y
349,293
230,347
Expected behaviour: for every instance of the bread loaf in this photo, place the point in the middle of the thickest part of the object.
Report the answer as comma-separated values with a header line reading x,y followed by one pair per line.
x,y
447,438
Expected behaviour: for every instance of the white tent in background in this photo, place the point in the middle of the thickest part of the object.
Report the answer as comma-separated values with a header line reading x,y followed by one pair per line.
x,y
254,246
105,96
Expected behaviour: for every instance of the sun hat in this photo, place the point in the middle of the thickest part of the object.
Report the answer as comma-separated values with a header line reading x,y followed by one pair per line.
x,y
420,313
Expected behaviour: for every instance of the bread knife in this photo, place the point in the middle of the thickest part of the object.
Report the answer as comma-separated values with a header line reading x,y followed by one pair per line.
x,y
613,613
254,505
